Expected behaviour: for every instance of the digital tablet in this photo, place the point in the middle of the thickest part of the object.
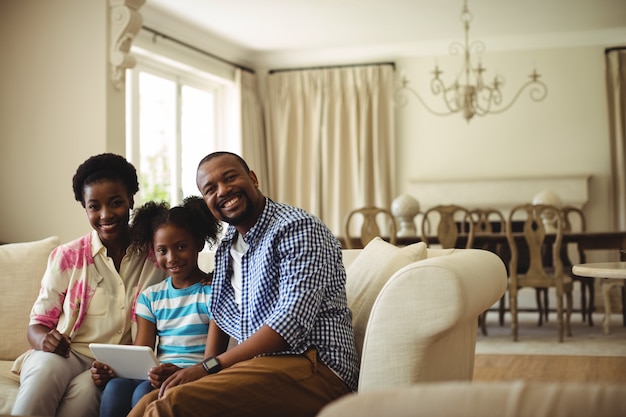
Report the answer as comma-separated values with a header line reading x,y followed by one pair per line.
x,y
127,361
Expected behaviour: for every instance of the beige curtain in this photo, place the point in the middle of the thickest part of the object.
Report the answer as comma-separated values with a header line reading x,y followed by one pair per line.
x,y
331,142
616,91
253,146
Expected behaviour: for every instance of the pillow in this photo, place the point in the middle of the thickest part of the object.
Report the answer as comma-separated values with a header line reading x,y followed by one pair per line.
x,y
369,272
22,266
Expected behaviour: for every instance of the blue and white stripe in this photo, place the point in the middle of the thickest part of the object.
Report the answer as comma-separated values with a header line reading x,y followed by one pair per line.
x,y
182,320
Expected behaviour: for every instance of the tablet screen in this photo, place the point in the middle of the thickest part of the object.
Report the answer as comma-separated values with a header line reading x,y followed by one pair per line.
x,y
127,361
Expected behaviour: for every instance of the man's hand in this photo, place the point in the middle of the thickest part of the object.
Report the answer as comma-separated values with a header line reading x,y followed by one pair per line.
x,y
182,377
101,373
159,374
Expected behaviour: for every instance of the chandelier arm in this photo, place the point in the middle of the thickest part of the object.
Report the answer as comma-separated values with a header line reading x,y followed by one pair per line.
x,y
401,99
537,93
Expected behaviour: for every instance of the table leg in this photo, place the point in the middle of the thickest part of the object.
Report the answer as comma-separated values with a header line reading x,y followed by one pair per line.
x,y
606,296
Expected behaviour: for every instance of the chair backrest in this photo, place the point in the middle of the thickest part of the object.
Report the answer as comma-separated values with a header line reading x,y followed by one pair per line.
x,y
370,227
574,216
450,220
486,218
539,220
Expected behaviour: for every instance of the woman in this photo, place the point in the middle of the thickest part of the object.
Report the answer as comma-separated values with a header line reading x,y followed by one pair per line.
x,y
88,295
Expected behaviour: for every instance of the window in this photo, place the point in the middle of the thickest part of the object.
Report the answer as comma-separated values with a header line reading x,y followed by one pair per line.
x,y
176,114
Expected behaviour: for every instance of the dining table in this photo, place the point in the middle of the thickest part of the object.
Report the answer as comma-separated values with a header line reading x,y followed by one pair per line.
x,y
614,274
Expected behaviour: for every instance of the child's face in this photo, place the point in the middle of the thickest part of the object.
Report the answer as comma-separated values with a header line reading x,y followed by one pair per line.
x,y
176,251
108,205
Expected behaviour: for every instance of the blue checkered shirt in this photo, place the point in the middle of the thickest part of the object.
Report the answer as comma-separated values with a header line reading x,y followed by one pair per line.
x,y
294,282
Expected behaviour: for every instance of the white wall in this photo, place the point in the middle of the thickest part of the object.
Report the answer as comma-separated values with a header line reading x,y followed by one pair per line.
x,y
57,108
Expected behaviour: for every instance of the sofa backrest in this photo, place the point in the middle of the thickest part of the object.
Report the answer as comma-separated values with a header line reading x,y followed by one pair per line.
x,y
22,266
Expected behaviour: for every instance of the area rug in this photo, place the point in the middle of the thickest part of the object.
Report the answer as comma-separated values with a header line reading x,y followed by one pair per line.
x,y
543,340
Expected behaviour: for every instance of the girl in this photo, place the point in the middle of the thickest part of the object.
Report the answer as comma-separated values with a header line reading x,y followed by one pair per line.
x,y
175,310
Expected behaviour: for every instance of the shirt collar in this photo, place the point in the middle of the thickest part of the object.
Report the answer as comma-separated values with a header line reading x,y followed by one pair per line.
x,y
96,245
256,232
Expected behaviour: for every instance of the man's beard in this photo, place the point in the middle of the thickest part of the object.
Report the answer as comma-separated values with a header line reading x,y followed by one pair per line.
x,y
242,217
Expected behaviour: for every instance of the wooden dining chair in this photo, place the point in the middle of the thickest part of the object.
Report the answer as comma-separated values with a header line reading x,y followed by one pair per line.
x,y
489,221
448,224
574,220
538,274
373,219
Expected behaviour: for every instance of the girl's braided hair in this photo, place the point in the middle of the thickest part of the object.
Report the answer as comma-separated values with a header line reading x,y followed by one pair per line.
x,y
193,215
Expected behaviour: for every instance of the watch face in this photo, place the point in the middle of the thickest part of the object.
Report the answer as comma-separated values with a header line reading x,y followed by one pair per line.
x,y
212,363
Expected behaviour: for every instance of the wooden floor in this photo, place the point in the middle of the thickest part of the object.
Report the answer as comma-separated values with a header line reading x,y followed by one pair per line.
x,y
550,368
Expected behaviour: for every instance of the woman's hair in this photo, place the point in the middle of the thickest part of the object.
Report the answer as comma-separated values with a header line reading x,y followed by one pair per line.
x,y
193,215
106,166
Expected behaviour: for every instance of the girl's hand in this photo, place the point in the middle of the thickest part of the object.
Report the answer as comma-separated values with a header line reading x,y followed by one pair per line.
x,y
101,373
159,374
56,342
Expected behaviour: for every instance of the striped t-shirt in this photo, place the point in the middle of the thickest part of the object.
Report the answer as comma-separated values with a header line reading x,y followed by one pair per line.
x,y
182,319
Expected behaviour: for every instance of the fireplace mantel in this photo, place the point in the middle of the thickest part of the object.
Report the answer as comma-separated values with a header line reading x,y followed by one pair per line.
x,y
498,193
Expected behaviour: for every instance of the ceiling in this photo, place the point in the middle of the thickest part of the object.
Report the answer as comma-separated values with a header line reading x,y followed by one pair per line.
x,y
284,26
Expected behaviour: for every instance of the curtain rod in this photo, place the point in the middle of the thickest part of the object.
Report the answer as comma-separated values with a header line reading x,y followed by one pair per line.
x,y
196,49
393,64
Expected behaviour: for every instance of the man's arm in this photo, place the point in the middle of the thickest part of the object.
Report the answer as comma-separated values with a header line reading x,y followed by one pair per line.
x,y
265,340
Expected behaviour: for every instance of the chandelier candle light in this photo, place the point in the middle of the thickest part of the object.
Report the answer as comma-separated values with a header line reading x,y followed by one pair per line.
x,y
473,96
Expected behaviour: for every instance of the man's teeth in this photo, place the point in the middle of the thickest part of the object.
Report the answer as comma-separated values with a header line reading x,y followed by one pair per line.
x,y
230,203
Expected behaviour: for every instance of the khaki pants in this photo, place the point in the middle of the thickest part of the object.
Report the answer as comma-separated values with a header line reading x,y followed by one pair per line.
x,y
289,385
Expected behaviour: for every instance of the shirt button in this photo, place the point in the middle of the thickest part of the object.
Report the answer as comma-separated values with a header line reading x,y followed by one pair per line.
x,y
119,332
122,307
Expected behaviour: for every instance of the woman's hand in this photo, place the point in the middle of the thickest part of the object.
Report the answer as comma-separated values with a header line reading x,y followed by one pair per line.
x,y
56,342
101,373
182,377
159,374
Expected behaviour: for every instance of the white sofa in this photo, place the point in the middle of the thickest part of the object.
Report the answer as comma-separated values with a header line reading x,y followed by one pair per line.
x,y
415,309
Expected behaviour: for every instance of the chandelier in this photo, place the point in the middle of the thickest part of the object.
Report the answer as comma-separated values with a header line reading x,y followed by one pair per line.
x,y
468,93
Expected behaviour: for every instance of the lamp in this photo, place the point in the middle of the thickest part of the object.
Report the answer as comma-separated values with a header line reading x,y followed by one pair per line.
x,y
469,94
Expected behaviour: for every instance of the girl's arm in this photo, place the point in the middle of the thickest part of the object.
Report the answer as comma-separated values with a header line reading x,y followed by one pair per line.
x,y
216,343
146,333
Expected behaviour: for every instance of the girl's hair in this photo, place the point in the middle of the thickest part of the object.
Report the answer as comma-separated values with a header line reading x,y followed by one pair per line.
x,y
193,215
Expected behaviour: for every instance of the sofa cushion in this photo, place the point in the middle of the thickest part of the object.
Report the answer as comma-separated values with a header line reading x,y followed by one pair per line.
x,y
369,272
22,266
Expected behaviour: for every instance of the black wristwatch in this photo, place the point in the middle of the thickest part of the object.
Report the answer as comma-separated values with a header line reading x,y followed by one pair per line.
x,y
211,365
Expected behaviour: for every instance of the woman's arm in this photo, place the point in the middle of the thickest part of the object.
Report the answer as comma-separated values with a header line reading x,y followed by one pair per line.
x,y
45,339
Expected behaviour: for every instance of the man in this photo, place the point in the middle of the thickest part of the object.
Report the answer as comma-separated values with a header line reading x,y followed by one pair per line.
x,y
279,290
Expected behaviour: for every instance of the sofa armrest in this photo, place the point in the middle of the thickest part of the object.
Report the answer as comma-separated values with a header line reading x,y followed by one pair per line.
x,y
485,399
423,324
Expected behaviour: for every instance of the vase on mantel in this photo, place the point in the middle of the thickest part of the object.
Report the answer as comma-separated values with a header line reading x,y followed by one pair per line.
x,y
404,208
